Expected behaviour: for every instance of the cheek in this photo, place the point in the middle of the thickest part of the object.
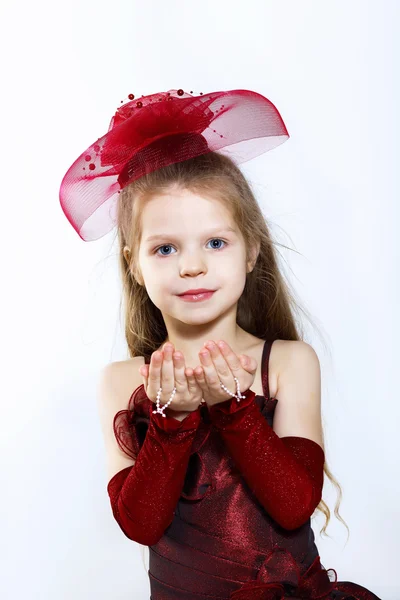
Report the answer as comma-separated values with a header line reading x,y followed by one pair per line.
x,y
158,278
231,265
154,268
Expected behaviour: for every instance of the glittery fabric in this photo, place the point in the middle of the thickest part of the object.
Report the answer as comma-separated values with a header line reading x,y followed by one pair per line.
x,y
241,528
287,484
143,497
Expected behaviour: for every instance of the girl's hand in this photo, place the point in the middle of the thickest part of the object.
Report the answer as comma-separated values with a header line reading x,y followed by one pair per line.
x,y
220,363
166,370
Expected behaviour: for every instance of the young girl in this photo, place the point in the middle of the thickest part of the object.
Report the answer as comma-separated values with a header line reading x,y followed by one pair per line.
x,y
212,428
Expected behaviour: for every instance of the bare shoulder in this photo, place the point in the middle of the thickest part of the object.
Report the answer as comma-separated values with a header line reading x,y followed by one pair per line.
x,y
286,353
283,355
121,377
296,361
116,383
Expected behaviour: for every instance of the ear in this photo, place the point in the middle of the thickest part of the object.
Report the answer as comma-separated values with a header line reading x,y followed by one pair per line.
x,y
127,254
136,274
254,252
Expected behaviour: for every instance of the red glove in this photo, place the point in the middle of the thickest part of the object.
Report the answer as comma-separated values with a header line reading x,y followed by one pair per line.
x,y
286,474
144,496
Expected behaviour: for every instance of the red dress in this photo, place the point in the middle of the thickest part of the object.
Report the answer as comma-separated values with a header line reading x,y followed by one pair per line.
x,y
222,544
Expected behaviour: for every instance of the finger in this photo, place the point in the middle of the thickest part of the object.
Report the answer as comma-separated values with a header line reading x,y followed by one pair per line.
x,y
231,358
144,372
192,384
167,368
210,374
154,379
223,373
220,364
180,378
248,363
200,379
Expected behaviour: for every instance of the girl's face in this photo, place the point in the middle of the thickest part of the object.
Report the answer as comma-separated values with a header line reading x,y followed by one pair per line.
x,y
190,248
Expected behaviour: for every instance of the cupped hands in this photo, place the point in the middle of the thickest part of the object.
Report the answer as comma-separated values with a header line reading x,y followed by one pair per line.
x,y
219,364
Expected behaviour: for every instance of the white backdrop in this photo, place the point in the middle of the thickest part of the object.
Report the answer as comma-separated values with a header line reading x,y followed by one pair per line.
x,y
330,193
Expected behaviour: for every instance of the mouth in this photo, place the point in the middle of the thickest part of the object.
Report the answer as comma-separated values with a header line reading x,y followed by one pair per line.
x,y
198,297
193,291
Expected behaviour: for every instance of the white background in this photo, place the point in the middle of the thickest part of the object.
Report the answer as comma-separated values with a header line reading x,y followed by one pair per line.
x,y
330,193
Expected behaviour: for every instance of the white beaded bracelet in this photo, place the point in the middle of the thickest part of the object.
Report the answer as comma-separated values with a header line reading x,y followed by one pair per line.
x,y
238,396
161,411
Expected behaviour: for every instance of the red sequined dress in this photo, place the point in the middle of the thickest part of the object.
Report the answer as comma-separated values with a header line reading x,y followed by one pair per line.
x,y
222,544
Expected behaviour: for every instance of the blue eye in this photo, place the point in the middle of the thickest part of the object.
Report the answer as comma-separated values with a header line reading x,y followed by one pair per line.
x,y
170,246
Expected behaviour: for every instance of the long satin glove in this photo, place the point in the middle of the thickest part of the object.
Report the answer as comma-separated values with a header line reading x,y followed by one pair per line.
x,y
144,496
286,474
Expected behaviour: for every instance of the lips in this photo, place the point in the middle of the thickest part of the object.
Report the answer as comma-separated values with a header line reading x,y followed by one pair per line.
x,y
194,292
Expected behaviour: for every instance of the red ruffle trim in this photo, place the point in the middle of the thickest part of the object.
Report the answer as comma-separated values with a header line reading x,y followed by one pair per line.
x,y
130,425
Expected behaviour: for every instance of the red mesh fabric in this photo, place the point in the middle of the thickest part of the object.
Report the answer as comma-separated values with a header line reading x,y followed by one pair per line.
x,y
158,130
130,425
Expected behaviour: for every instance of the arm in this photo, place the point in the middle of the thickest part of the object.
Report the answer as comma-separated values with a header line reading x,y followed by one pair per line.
x,y
285,473
144,496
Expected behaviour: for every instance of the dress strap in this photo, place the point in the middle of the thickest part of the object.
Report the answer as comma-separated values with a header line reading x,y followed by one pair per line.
x,y
264,367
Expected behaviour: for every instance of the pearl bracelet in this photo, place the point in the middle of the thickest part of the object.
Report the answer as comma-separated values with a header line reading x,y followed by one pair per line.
x,y
161,411
238,396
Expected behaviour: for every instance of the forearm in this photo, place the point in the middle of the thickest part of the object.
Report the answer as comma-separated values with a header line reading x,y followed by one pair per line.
x,y
287,483
144,496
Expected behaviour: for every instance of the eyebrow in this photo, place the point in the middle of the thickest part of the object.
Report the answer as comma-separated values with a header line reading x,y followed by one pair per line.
x,y
171,236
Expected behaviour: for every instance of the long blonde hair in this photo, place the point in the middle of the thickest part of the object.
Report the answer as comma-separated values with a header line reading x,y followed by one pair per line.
x,y
267,307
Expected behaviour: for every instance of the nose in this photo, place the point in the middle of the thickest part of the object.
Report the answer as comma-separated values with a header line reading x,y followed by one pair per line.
x,y
192,265
192,271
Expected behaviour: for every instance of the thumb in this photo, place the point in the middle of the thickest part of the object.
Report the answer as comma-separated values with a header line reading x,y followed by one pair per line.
x,y
144,372
248,363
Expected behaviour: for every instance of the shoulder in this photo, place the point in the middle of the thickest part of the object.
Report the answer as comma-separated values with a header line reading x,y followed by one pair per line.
x,y
296,363
117,382
119,379
282,355
294,352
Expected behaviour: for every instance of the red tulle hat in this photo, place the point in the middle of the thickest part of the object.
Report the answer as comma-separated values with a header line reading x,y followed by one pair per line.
x,y
155,131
